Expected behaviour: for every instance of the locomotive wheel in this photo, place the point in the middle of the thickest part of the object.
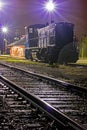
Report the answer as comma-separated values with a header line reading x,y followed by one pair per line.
x,y
28,54
42,54
38,55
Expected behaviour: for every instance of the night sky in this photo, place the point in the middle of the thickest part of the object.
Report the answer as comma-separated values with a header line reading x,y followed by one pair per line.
x,y
17,14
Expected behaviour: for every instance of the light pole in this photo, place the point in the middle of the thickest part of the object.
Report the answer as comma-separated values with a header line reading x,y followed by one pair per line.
x,y
4,32
50,7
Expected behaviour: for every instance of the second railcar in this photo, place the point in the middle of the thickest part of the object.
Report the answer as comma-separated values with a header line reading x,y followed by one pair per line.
x,y
51,43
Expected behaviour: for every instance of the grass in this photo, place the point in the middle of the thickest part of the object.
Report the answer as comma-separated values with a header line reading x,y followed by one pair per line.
x,y
82,61
22,60
7,58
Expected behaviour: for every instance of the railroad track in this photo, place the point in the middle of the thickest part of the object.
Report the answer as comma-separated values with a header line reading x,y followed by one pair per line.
x,y
19,110
66,98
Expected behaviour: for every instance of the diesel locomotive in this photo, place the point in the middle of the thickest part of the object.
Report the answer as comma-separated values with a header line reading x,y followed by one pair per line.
x,y
51,43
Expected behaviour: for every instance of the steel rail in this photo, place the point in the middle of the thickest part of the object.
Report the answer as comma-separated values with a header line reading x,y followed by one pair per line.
x,y
62,120
60,82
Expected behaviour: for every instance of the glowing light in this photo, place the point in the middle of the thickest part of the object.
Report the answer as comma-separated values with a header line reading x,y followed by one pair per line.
x,y
1,4
17,51
4,29
50,5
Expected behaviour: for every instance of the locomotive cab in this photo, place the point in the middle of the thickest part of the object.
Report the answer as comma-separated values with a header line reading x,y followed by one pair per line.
x,y
31,43
64,34
66,44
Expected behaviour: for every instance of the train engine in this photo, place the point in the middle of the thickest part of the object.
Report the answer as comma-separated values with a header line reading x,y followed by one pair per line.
x,y
53,43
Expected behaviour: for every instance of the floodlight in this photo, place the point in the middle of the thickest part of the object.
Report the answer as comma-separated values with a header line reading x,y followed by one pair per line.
x,y
1,4
50,6
4,29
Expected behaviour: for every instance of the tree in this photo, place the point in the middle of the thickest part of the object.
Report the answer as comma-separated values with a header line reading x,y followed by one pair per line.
x,y
83,46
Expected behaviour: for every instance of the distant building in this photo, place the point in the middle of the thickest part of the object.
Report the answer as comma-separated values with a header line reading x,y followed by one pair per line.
x,y
17,48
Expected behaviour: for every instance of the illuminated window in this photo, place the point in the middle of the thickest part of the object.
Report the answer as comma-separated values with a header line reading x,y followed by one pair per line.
x,y
30,30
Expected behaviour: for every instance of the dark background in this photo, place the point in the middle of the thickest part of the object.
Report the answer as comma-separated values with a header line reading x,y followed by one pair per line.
x,y
16,14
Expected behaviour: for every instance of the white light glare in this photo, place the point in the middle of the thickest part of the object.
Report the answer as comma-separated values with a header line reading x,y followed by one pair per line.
x,y
50,6
1,4
4,29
